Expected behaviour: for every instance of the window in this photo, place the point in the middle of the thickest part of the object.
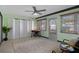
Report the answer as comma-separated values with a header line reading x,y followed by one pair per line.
x,y
77,17
52,25
38,25
68,23
43,24
33,25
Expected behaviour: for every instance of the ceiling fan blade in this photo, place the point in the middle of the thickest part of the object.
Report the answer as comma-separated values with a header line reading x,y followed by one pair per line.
x,y
41,10
34,8
29,11
39,13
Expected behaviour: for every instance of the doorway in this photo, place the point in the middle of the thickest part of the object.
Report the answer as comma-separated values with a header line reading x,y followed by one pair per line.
x,y
52,29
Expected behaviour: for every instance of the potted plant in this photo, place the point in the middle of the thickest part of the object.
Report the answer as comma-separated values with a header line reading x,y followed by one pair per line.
x,y
5,30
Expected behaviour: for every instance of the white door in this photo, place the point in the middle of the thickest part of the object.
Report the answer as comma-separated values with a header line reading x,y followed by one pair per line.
x,y
16,29
23,28
29,28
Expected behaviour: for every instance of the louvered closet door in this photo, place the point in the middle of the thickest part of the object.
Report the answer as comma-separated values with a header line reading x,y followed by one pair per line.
x,y
16,29
29,27
23,29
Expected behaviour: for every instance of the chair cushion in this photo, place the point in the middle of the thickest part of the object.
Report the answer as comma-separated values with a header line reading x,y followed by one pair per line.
x,y
72,42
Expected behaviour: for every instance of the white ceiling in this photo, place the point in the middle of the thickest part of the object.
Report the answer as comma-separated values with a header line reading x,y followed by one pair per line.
x,y
20,9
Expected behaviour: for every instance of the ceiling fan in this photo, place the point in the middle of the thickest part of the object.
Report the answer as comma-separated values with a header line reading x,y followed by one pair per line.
x,y
35,11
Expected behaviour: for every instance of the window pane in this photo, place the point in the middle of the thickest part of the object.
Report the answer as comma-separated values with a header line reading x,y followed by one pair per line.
x,y
52,24
77,15
43,25
68,23
33,25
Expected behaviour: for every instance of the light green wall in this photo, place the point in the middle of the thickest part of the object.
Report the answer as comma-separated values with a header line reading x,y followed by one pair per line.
x,y
60,36
5,20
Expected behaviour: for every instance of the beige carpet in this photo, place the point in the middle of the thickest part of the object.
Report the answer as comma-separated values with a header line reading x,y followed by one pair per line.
x,y
29,45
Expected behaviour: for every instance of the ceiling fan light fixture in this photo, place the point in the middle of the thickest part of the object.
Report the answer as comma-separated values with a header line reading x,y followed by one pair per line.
x,y
36,14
